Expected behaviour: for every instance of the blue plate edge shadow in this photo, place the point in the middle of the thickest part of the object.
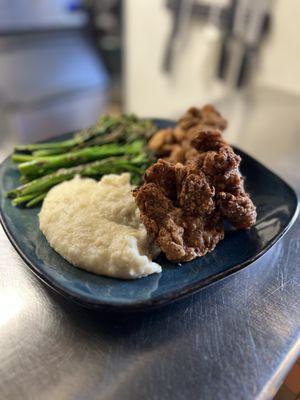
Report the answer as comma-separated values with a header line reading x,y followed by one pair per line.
x,y
160,300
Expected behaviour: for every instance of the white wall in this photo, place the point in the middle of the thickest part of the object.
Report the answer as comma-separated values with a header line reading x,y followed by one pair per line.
x,y
280,64
150,92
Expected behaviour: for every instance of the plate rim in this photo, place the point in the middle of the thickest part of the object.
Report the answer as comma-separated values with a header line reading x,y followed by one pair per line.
x,y
160,300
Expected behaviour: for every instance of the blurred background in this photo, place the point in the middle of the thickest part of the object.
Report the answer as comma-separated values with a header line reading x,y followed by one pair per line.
x,y
63,62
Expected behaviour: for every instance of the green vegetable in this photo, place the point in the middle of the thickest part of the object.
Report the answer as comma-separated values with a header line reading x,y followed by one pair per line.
x,y
22,199
124,128
115,144
36,200
33,192
43,165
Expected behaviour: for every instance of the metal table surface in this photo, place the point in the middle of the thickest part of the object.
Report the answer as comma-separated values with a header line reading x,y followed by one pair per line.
x,y
233,340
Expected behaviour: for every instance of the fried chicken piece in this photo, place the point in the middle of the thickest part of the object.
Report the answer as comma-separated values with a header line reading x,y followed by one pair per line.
x,y
177,209
160,139
183,205
174,144
221,165
205,116
180,236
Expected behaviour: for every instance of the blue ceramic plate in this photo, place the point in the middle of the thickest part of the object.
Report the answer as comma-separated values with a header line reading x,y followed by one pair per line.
x,y
276,206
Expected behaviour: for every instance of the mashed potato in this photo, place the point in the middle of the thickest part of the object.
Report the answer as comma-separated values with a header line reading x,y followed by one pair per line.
x,y
96,226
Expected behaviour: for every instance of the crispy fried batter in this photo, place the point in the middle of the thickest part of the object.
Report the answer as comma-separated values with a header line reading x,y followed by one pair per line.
x,y
208,139
205,116
183,204
175,144
182,223
238,209
162,141
196,195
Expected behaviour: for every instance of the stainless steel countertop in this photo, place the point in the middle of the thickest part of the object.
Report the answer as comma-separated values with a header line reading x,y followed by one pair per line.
x,y
233,340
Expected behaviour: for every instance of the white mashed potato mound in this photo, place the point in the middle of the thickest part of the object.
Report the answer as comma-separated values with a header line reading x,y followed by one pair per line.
x,y
96,226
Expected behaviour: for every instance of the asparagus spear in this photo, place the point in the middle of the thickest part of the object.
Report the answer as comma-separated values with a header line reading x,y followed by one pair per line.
x,y
100,128
38,187
122,129
44,183
20,157
36,200
22,199
47,152
44,165
112,145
